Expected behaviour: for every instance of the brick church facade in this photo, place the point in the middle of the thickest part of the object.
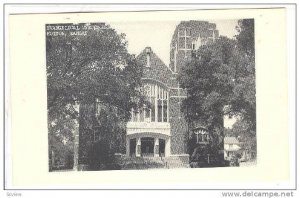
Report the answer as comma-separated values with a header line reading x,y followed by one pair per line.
x,y
160,130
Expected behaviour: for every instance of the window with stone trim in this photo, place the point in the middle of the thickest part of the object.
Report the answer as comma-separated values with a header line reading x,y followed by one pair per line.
x,y
188,32
184,38
193,46
172,54
202,136
188,43
182,43
181,32
156,108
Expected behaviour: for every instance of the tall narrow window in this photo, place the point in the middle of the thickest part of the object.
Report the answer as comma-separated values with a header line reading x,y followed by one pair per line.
x,y
152,109
134,116
165,112
156,107
182,43
148,60
188,43
148,50
172,54
165,107
193,46
181,32
147,114
188,32
142,114
159,110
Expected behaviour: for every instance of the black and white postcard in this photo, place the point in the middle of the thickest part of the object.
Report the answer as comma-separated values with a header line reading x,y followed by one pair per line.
x,y
149,98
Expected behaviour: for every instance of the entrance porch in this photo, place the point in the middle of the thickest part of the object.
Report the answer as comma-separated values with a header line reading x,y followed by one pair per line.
x,y
148,139
148,145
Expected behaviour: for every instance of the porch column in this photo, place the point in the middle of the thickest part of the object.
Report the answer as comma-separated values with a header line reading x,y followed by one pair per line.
x,y
127,146
138,147
156,147
168,147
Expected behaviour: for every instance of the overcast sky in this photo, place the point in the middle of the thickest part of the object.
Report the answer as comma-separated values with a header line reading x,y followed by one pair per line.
x,y
158,35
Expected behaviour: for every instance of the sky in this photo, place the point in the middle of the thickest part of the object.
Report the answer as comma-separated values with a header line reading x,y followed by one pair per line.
x,y
158,35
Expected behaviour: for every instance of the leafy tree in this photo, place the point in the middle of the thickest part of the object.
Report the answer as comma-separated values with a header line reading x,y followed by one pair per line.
x,y
86,66
89,66
243,101
60,134
245,38
207,81
247,137
220,80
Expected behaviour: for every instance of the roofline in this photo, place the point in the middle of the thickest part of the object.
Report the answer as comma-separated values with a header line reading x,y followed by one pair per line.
x,y
174,73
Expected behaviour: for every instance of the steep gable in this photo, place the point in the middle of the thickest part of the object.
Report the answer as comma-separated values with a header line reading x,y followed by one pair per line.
x,y
155,69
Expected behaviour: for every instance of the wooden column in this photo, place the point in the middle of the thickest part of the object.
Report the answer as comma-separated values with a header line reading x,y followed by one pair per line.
x,y
156,147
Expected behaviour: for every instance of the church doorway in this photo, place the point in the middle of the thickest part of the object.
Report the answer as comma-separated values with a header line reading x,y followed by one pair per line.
x,y
147,147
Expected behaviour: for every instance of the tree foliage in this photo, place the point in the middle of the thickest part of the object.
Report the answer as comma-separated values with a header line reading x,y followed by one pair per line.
x,y
82,68
95,65
220,80
241,130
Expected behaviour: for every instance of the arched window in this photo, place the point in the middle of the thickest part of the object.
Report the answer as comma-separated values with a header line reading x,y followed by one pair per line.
x,y
202,136
156,109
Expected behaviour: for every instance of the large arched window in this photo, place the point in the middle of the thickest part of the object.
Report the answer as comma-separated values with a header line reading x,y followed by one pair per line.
x,y
157,108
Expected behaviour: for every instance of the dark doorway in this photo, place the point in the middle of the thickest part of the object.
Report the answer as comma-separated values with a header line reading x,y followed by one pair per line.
x,y
162,146
132,147
147,147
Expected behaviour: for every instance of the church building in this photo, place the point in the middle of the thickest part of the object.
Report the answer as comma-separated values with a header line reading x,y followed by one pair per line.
x,y
161,129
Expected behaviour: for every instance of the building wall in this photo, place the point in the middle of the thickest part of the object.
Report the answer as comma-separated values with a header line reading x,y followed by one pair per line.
x,y
159,72
179,127
188,36
200,32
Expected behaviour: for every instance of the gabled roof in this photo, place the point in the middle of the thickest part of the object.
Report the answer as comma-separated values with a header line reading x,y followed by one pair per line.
x,y
231,140
154,58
